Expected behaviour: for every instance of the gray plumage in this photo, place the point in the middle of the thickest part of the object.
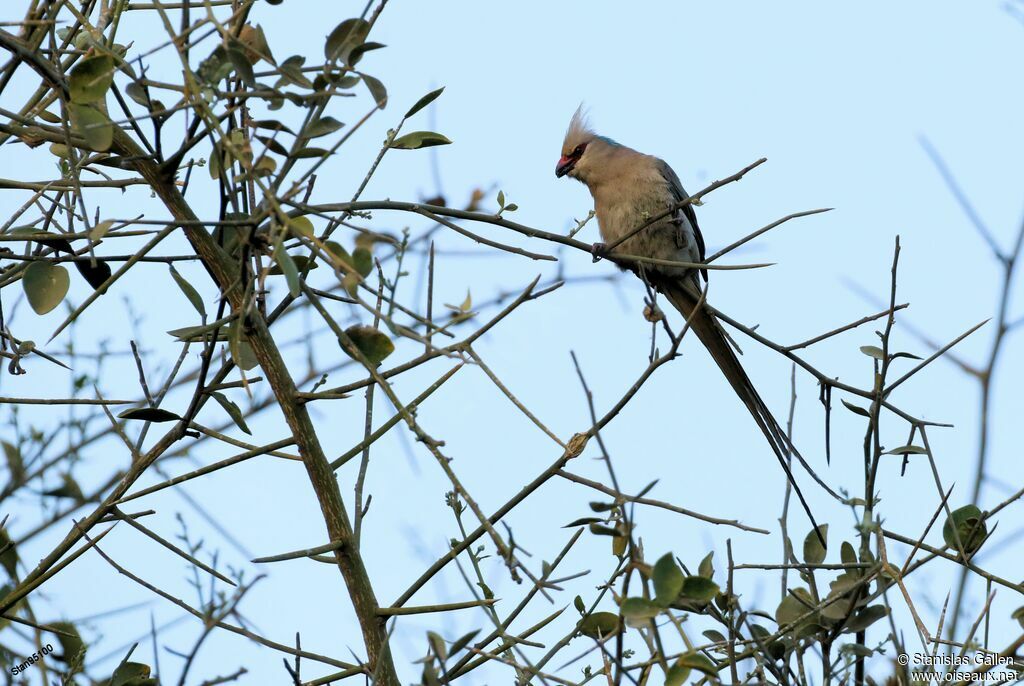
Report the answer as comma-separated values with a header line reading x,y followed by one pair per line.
x,y
629,188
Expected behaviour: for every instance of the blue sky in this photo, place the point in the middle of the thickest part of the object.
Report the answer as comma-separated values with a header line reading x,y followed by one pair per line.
x,y
837,98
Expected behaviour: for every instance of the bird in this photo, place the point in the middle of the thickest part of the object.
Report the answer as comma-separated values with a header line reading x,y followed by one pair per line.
x,y
632,190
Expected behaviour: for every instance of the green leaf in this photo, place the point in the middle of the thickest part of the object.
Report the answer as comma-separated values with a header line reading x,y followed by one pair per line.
x,y
706,568
131,674
668,580
291,73
197,333
241,350
72,646
45,285
814,551
856,650
865,617
698,661
303,263
215,67
437,644
273,145
357,52
837,609
149,414
677,675
321,127
419,139
189,290
460,643
699,588
581,607
907,449
136,92
796,604
345,37
350,282
847,554
233,411
362,260
602,530
374,345
1018,614
287,265
377,90
856,410
90,79
243,67
970,527
48,116
599,625
638,609
873,351
424,101
686,663
272,125
775,648
309,152
301,226
92,125
714,636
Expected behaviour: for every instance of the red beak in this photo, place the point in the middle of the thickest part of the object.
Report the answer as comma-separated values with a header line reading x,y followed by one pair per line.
x,y
565,165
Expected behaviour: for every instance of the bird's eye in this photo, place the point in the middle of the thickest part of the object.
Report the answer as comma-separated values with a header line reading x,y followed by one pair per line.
x,y
579,149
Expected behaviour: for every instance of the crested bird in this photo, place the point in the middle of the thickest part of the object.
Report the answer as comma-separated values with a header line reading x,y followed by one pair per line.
x,y
632,190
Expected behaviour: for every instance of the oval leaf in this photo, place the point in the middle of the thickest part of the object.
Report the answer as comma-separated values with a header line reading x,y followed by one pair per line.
x,y
599,625
92,125
345,37
638,609
668,580
373,344
873,351
45,285
814,550
419,139
91,78
377,90
321,127
970,528
699,588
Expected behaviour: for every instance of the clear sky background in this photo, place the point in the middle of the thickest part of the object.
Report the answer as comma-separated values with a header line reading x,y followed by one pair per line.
x,y
836,97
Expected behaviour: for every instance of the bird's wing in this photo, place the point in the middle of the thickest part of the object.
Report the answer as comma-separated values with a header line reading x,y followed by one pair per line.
x,y
679,194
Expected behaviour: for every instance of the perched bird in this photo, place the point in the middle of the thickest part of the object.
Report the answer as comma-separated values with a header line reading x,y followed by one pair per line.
x,y
631,189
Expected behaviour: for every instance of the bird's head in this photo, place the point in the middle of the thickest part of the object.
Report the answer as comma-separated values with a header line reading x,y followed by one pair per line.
x,y
577,148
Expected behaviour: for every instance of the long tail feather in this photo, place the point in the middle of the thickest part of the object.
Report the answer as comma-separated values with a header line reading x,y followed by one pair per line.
x,y
714,338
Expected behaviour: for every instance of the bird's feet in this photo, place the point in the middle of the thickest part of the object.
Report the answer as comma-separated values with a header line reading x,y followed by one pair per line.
x,y
599,251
